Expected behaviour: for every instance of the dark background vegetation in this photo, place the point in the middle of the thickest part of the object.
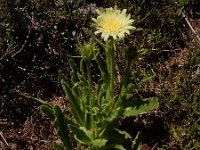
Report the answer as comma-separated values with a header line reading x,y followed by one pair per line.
x,y
37,38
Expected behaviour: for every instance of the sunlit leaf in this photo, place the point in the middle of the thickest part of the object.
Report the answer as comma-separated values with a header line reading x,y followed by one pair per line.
x,y
141,108
99,142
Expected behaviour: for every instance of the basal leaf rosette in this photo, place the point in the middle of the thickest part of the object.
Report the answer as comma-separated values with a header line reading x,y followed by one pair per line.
x,y
113,23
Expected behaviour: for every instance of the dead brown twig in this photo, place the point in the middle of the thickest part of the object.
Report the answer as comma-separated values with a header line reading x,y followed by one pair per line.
x,y
4,140
192,29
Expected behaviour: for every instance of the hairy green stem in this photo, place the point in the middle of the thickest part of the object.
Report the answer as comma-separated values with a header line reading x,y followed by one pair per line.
x,y
108,90
112,73
110,60
112,67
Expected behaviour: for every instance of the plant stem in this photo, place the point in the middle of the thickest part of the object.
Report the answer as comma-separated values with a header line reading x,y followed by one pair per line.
x,y
110,60
108,90
112,67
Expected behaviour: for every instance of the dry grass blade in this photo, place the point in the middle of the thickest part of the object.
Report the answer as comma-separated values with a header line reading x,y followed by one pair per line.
x,y
3,139
189,24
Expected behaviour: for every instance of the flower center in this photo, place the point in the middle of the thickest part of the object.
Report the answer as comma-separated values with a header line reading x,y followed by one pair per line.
x,y
112,25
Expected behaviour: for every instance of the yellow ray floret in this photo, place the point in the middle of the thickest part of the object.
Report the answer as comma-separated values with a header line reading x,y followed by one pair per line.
x,y
113,23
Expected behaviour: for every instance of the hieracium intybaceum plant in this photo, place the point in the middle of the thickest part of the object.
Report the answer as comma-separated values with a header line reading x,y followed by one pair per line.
x,y
97,106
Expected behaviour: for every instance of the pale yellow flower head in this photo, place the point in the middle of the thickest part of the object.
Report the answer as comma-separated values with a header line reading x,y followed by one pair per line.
x,y
113,23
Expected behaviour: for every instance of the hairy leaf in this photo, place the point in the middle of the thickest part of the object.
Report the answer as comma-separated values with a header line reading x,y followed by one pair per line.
x,y
131,54
141,107
136,143
82,135
58,146
103,68
62,129
48,111
74,105
99,142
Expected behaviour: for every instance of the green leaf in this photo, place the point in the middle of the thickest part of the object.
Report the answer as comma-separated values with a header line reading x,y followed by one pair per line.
x,y
79,88
136,143
82,69
126,134
61,76
131,54
99,142
62,129
125,92
145,79
108,124
88,120
141,107
100,92
115,136
119,147
82,135
76,91
126,78
28,97
74,71
81,91
48,111
135,103
87,132
73,102
103,68
58,146
114,146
